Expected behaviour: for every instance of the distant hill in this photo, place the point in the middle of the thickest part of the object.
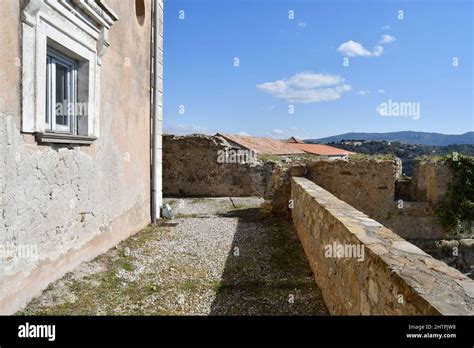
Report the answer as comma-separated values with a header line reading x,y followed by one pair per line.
x,y
407,137
406,152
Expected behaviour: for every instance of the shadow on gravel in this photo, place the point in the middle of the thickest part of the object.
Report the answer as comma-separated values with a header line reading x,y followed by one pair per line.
x,y
266,271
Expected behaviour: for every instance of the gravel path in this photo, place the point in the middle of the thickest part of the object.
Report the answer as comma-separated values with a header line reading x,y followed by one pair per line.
x,y
218,257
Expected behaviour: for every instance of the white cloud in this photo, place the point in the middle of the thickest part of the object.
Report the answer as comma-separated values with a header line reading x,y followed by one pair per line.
x,y
363,92
378,50
275,87
352,49
316,95
302,24
387,39
243,133
308,80
385,27
381,91
277,132
355,49
307,87
303,80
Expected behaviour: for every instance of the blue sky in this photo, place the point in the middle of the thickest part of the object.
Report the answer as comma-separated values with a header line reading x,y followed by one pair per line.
x,y
299,62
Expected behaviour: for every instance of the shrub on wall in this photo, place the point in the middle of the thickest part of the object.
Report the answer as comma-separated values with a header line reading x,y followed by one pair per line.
x,y
456,211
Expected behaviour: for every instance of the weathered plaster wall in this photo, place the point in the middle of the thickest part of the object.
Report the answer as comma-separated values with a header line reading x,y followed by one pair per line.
x,y
393,277
191,168
10,68
72,203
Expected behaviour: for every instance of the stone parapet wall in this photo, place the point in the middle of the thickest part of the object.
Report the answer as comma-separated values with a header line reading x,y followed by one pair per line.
x,y
393,277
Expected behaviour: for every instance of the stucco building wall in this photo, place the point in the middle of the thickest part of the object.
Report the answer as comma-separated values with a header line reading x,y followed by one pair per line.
x,y
70,203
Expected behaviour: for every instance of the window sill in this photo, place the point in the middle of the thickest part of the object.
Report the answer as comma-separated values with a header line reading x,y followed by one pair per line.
x,y
59,138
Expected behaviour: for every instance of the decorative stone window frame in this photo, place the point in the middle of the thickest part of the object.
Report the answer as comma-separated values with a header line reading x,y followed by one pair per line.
x,y
78,29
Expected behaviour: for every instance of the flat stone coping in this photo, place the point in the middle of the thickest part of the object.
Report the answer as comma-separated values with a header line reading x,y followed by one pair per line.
x,y
444,288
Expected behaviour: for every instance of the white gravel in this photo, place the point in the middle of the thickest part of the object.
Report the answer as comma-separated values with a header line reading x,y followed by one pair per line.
x,y
218,257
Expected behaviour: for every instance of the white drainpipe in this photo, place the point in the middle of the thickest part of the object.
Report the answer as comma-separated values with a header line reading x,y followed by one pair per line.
x,y
156,132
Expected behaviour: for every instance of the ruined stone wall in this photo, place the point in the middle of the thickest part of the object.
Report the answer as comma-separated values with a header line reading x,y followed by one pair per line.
x,y
191,168
277,198
429,181
390,277
416,218
368,183
365,182
72,203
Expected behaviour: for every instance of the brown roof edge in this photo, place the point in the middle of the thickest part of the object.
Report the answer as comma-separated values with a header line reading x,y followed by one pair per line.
x,y
294,140
319,149
262,145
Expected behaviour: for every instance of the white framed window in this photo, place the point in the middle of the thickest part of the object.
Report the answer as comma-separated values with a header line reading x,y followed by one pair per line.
x,y
61,93
62,47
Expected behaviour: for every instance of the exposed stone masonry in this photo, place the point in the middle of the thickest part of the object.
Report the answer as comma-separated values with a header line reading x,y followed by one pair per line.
x,y
191,168
394,277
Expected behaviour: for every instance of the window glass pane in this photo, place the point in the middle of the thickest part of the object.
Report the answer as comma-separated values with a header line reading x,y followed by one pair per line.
x,y
48,97
61,95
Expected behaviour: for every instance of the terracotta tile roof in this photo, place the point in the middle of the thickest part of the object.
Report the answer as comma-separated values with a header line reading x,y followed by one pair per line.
x,y
319,149
269,146
261,145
